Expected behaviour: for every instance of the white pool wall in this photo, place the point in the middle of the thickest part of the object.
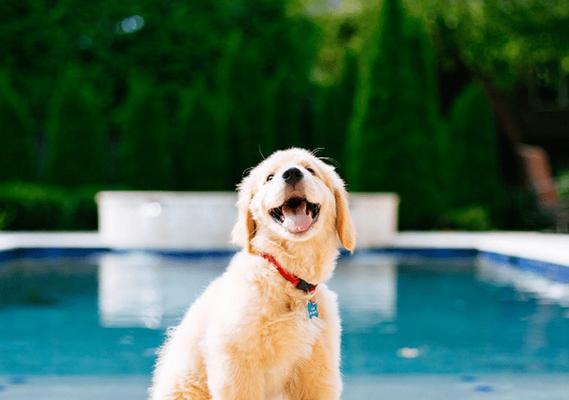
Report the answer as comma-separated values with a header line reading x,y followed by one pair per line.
x,y
198,220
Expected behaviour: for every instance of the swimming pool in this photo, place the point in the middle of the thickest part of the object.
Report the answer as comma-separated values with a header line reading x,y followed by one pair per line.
x,y
413,327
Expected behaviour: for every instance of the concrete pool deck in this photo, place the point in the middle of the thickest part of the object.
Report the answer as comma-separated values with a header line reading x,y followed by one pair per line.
x,y
542,247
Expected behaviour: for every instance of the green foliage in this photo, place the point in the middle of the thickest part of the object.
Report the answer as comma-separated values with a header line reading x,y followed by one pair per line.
x,y
144,160
77,145
251,120
563,185
265,78
16,134
477,178
32,207
525,211
27,206
334,110
393,143
253,57
201,155
500,39
466,219
193,92
4,219
83,208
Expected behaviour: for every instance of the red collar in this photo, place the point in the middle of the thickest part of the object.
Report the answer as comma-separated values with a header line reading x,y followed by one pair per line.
x,y
298,283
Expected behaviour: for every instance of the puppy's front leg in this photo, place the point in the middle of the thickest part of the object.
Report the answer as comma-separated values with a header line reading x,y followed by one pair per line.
x,y
318,377
236,376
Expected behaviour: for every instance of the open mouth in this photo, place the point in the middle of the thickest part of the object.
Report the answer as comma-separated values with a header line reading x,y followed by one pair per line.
x,y
296,214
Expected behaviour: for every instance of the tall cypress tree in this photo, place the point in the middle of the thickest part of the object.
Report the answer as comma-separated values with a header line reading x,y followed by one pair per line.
x,y
250,94
16,134
334,111
392,145
477,178
200,146
267,81
76,133
144,159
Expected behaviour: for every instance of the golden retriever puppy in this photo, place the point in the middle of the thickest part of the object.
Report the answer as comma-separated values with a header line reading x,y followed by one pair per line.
x,y
268,328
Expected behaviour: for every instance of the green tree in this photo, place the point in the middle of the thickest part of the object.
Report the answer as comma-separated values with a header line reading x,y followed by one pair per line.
x,y
76,133
477,178
502,40
200,145
16,134
334,110
250,118
393,136
267,81
509,46
143,154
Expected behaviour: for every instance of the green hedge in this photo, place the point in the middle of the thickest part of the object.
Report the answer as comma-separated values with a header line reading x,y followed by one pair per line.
x,y
191,93
25,206
476,179
333,111
466,219
16,133
129,92
200,152
77,145
145,139
395,136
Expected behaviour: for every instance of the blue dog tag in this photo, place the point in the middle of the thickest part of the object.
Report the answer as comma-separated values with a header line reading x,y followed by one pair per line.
x,y
312,309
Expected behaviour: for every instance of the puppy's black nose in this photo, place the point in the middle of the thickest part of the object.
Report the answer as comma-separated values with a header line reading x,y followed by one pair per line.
x,y
292,175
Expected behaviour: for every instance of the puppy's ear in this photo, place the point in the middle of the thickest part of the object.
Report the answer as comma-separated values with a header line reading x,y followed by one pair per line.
x,y
344,223
244,229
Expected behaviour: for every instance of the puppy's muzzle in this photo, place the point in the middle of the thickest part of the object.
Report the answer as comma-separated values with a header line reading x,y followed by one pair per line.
x,y
292,176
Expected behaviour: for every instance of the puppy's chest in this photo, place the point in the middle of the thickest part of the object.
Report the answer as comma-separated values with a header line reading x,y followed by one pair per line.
x,y
288,336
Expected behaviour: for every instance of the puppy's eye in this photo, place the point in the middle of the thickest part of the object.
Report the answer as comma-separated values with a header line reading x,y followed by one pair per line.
x,y
310,170
270,177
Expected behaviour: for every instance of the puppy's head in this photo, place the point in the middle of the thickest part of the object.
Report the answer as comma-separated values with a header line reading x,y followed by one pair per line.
x,y
293,196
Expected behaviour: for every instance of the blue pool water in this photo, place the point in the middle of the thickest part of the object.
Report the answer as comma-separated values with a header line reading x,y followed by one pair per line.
x,y
104,316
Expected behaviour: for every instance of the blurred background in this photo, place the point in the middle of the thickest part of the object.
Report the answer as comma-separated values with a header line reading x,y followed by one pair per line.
x,y
462,108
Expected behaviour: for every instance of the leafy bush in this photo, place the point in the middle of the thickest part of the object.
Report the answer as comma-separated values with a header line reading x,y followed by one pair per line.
x,y
474,218
563,186
394,135
83,211
34,207
3,219
525,212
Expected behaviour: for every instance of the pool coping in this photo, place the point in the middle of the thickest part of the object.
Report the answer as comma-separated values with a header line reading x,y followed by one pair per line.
x,y
546,254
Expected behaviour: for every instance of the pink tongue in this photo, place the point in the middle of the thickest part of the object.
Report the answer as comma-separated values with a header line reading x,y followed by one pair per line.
x,y
296,219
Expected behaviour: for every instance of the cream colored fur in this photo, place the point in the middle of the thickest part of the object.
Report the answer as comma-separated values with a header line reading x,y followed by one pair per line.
x,y
248,336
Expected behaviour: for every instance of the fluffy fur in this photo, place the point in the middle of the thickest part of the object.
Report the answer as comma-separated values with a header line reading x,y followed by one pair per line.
x,y
248,336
